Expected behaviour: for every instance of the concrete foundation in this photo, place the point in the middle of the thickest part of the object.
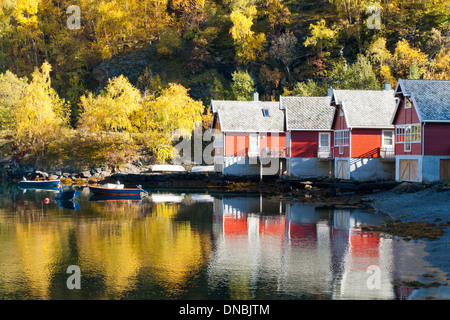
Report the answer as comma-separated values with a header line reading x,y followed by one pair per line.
x,y
245,166
428,167
309,167
365,169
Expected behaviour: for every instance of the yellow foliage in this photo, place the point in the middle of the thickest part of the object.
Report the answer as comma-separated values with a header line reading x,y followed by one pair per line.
x,y
25,13
172,111
405,56
249,46
40,112
321,36
112,109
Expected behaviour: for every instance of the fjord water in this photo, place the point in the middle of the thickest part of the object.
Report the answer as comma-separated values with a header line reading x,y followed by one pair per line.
x,y
195,245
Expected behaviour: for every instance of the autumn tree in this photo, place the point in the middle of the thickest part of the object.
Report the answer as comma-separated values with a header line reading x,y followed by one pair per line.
x,y
111,110
12,90
321,36
382,60
249,46
40,113
405,57
174,111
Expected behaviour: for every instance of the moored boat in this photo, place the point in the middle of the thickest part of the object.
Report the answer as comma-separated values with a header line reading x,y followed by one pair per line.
x,y
116,189
35,184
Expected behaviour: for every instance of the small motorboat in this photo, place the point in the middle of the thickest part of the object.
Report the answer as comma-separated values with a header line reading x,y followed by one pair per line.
x,y
38,184
116,189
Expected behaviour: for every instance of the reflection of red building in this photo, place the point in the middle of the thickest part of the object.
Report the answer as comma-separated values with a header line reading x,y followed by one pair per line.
x,y
235,225
364,250
272,225
302,231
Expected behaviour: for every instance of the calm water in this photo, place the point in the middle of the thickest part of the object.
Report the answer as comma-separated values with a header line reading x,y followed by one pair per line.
x,y
195,246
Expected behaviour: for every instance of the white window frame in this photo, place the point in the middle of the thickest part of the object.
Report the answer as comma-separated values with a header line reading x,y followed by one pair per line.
x,y
342,137
252,147
328,139
408,134
408,103
383,133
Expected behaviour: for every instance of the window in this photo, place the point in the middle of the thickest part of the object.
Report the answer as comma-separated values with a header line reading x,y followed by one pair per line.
x,y
265,112
408,102
341,138
400,134
324,140
415,133
341,112
253,145
388,139
408,138
407,134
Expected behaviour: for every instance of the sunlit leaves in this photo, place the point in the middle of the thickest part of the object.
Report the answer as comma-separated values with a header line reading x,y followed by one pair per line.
x,y
40,113
172,111
321,36
111,110
248,45
12,90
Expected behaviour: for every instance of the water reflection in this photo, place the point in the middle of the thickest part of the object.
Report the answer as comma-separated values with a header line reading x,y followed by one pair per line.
x,y
195,246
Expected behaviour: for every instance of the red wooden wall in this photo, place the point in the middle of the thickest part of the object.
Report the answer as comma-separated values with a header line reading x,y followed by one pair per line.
x,y
366,143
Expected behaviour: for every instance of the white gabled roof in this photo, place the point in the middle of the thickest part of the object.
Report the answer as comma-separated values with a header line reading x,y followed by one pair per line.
x,y
308,113
431,98
247,116
366,108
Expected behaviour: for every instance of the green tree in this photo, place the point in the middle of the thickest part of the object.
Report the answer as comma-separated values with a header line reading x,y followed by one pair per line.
x,y
357,76
308,88
242,86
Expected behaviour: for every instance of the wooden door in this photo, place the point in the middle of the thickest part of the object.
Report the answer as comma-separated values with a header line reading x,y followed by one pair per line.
x,y
409,170
444,169
342,169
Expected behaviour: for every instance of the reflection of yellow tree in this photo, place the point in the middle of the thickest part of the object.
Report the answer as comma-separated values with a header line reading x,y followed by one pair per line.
x,y
173,249
119,247
40,247
106,247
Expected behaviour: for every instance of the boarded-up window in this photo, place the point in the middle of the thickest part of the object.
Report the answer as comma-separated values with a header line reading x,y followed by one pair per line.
x,y
342,169
444,170
409,170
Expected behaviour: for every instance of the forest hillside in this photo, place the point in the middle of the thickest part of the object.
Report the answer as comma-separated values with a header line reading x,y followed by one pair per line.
x,y
131,59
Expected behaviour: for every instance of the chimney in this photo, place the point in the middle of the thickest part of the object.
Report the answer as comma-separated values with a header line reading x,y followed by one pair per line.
x,y
387,86
255,96
329,91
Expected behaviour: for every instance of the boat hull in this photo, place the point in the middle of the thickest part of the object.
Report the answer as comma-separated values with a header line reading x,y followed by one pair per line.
x,y
35,184
119,192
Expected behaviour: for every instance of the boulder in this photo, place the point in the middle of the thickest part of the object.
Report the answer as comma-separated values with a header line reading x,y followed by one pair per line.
x,y
85,174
